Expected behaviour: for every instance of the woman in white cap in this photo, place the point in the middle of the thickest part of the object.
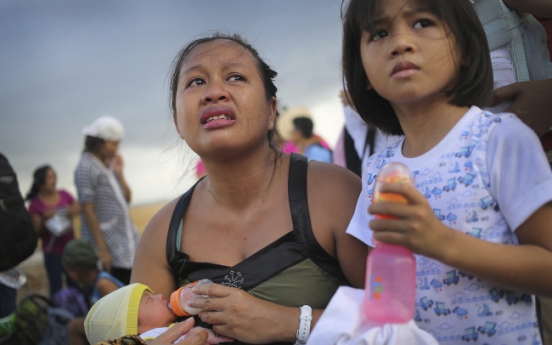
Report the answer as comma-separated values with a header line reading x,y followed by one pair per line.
x,y
104,196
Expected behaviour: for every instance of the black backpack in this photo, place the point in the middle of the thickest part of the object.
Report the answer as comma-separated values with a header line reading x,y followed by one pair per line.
x,y
38,322
18,236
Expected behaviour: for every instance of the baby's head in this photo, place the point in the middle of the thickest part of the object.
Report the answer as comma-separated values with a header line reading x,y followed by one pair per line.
x,y
133,309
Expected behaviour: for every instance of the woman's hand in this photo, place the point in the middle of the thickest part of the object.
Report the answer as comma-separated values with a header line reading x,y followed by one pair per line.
x,y
117,164
197,336
531,102
236,314
416,226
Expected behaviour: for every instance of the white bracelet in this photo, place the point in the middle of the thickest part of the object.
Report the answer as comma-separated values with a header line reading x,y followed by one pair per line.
x,y
304,325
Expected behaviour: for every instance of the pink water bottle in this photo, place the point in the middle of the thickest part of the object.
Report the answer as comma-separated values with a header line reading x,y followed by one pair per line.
x,y
179,299
390,269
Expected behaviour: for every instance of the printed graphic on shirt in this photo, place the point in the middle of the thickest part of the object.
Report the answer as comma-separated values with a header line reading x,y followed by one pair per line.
x,y
452,305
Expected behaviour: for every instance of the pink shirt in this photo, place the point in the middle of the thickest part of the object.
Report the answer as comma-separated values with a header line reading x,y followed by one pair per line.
x,y
50,243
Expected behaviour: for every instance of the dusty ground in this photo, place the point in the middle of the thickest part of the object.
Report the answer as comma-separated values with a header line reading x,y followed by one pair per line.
x,y
37,281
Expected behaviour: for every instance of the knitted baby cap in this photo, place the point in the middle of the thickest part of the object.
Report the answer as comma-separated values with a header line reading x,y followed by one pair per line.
x,y
115,315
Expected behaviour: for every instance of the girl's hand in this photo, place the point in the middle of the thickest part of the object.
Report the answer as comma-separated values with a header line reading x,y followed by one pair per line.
x,y
416,226
236,314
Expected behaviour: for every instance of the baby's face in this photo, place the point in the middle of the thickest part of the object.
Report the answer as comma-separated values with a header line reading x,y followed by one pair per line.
x,y
154,312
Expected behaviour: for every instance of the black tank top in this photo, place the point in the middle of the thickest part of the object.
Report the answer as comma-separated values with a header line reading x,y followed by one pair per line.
x,y
292,271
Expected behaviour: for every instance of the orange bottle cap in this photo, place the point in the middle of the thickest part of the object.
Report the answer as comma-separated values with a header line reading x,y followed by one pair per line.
x,y
175,304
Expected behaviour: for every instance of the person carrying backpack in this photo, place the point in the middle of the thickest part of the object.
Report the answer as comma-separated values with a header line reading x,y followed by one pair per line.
x,y
19,239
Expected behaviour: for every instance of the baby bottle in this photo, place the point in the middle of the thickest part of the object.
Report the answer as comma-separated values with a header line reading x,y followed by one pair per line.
x,y
179,299
390,269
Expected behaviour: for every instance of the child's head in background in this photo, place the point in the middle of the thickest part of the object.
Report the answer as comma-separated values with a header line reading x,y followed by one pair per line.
x,y
80,261
399,52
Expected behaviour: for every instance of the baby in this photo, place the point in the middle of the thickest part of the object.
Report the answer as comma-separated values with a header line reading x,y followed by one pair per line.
x,y
133,309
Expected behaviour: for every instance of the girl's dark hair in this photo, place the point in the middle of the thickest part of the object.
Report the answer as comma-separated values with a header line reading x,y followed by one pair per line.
x,y
92,144
474,82
267,73
39,178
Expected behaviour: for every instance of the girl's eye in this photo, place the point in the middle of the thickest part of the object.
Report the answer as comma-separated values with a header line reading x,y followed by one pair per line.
x,y
422,23
236,77
377,35
196,82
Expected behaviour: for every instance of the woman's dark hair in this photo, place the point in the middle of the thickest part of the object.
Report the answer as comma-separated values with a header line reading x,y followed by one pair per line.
x,y
39,178
267,73
473,85
92,144
303,125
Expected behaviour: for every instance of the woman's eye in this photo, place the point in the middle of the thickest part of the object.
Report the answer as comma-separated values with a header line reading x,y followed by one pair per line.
x,y
236,77
377,35
423,23
196,82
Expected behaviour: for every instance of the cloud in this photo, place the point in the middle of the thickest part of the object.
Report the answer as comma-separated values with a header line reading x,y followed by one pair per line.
x,y
64,64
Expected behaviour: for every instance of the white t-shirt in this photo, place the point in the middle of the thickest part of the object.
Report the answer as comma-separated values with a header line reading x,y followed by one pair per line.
x,y
485,178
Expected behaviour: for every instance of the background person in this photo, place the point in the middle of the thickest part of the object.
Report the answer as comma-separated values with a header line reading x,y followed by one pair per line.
x,y
306,143
52,213
81,263
104,196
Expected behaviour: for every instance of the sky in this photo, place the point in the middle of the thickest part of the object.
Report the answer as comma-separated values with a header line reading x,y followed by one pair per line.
x,y
65,63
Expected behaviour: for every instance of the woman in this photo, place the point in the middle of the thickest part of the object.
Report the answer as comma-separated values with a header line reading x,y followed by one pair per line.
x,y
104,196
261,221
52,213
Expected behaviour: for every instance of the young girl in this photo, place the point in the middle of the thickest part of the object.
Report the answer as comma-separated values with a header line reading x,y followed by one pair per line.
x,y
479,216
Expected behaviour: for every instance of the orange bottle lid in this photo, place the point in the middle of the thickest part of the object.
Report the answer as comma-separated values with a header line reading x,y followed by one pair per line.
x,y
175,304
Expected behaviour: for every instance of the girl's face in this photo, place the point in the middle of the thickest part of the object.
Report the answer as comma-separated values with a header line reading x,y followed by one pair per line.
x,y
154,312
220,100
49,182
409,56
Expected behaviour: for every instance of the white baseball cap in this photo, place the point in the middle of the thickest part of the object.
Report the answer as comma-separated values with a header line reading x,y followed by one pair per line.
x,y
106,128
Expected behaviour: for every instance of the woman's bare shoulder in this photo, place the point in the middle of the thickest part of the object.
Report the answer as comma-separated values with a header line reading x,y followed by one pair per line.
x,y
332,178
161,220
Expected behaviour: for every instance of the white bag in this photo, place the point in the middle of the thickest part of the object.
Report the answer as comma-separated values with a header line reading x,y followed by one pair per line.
x,y
59,224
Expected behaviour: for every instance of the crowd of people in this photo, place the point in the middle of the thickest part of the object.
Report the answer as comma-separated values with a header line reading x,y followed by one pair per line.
x,y
427,83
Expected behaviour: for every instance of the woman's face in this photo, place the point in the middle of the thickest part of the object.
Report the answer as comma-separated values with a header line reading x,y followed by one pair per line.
x,y
109,149
50,181
221,103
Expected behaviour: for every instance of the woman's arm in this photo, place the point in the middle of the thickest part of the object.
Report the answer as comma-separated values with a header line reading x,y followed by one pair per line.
x,y
541,8
96,232
74,209
531,102
38,224
332,206
150,263
106,286
117,164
